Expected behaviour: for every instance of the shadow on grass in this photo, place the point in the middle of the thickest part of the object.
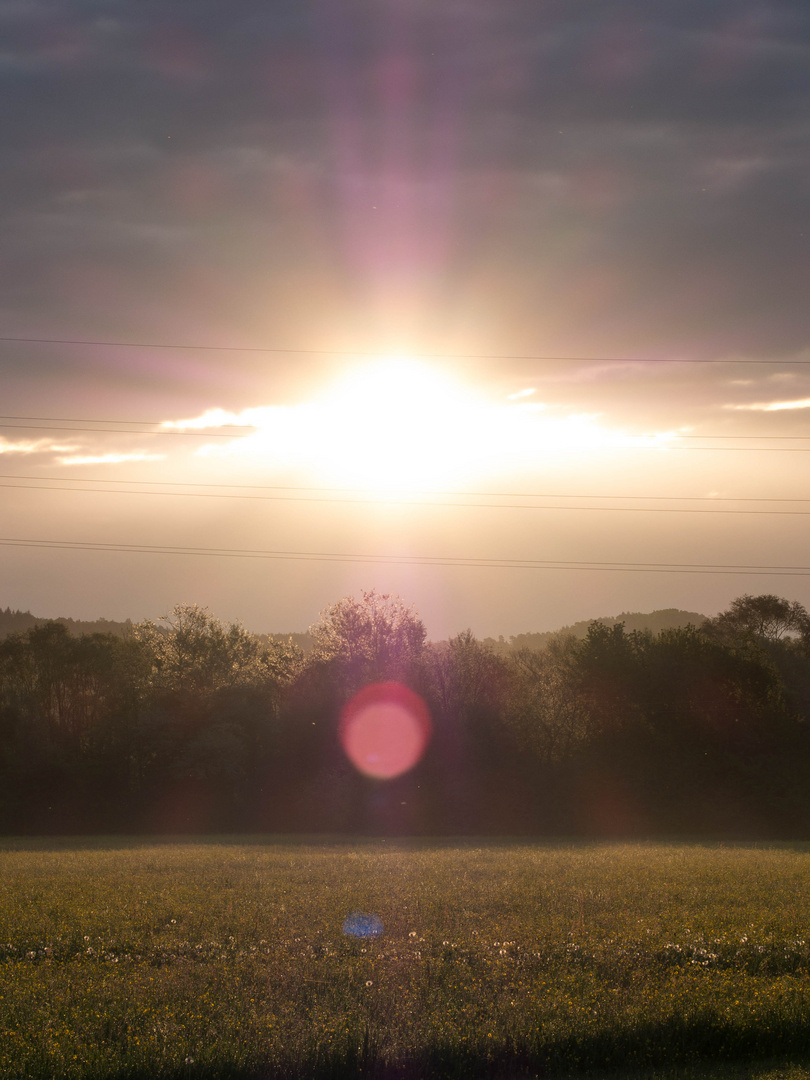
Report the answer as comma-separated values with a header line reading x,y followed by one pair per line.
x,y
125,842
676,1050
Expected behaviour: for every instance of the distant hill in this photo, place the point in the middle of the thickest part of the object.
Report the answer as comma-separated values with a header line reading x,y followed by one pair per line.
x,y
17,622
654,621
303,640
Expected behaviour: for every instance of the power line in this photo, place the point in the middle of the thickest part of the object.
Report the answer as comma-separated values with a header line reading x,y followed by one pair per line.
x,y
204,433
412,560
391,352
106,420
453,494
234,429
407,502
118,431
783,438
243,427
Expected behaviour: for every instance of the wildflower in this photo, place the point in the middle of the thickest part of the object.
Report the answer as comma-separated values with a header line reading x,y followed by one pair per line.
x,y
369,982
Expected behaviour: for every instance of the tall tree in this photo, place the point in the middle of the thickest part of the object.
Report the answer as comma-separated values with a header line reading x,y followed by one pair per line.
x,y
767,616
374,639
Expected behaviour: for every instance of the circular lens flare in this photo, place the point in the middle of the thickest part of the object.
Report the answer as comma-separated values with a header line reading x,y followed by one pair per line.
x,y
361,925
385,729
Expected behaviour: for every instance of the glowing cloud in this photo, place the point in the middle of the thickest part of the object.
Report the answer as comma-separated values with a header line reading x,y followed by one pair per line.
x,y
216,418
108,459
772,406
400,425
32,446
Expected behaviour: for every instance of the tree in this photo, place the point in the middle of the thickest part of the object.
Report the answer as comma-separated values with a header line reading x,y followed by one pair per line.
x,y
478,742
766,616
373,639
207,732
67,706
544,709
192,651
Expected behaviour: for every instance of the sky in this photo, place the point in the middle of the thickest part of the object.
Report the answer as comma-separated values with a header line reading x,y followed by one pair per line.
x,y
491,306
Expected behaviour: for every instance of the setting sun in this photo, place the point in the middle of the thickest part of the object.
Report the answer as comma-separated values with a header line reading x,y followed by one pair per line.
x,y
392,426
400,425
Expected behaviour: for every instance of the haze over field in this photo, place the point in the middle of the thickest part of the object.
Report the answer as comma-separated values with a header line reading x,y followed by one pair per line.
x,y
496,307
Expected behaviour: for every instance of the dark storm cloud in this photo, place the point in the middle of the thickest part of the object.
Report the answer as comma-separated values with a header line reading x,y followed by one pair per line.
x,y
627,177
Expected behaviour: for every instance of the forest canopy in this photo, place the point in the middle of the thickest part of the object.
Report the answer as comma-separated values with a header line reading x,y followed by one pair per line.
x,y
186,724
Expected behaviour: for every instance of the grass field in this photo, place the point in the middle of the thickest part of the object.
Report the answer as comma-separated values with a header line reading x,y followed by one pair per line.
x,y
227,958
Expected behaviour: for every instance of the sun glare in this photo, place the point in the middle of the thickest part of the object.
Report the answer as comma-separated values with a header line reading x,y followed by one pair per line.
x,y
400,425
396,425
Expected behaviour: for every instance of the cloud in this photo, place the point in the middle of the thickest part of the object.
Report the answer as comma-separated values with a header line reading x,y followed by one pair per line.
x,y
216,418
772,406
32,446
628,176
108,459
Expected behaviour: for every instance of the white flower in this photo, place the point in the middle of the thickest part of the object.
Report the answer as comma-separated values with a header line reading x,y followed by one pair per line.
x,y
369,982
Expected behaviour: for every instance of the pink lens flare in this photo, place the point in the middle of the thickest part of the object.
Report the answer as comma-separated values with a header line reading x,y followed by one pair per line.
x,y
385,729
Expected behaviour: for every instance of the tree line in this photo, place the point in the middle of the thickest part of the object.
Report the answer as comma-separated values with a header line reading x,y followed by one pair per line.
x,y
190,725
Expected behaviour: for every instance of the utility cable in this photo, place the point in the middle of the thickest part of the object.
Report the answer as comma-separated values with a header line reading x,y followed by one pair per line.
x,y
389,353
235,429
388,498
202,434
407,502
415,560
119,431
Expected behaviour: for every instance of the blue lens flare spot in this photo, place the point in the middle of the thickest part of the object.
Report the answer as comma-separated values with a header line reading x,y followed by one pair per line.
x,y
363,926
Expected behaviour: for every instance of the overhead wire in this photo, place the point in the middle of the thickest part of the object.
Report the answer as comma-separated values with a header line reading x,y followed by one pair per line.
x,y
22,339
237,431
388,497
415,560
388,501
136,427
119,431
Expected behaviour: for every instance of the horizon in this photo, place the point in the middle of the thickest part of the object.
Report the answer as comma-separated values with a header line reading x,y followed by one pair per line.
x,y
306,630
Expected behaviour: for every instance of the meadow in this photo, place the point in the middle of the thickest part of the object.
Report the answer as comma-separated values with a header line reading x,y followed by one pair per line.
x,y
228,957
